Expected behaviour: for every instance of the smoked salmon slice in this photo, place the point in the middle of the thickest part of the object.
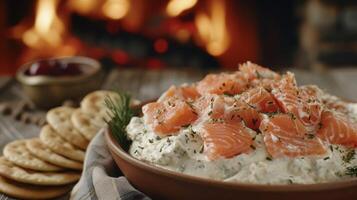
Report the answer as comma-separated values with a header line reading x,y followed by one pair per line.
x,y
335,103
329,101
210,105
253,71
242,111
225,140
284,135
312,90
227,109
222,83
260,99
167,117
218,108
299,102
184,92
258,75
336,128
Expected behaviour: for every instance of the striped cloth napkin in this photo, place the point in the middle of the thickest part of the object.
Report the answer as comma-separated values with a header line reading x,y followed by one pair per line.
x,y
101,178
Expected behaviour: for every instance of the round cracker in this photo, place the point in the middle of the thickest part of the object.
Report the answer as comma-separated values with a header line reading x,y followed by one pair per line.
x,y
13,172
37,148
54,142
60,119
88,124
26,191
18,153
95,102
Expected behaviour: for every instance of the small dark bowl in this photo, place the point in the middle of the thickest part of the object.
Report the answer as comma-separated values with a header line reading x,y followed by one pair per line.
x,y
48,91
160,183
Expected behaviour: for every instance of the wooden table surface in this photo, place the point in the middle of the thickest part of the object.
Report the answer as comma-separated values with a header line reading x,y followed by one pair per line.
x,y
146,85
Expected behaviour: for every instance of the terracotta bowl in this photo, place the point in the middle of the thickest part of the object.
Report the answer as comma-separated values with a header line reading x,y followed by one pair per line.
x,y
160,183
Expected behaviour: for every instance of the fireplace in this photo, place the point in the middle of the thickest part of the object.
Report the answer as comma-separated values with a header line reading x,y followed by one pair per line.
x,y
147,34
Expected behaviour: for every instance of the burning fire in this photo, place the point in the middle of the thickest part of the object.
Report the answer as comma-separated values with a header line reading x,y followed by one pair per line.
x,y
176,7
48,35
48,29
111,9
83,6
116,9
212,28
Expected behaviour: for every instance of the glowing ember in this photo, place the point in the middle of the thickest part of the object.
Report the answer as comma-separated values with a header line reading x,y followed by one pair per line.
x,y
48,29
176,7
212,28
161,45
116,9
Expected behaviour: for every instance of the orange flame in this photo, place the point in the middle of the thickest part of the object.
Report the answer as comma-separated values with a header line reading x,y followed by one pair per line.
x,y
116,9
48,28
84,6
212,28
176,7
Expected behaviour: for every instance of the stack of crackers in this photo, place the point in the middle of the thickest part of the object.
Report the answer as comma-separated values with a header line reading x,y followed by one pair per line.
x,y
48,166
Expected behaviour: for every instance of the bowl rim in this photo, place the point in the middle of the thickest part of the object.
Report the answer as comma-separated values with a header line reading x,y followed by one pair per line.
x,y
116,148
45,80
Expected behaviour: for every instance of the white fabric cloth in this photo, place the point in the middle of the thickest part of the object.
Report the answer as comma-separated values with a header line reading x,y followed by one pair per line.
x,y
101,179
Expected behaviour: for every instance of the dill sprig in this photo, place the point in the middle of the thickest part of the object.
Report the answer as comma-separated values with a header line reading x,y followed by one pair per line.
x,y
120,114
351,171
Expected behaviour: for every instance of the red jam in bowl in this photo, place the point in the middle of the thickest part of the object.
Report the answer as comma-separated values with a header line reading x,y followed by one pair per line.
x,y
54,68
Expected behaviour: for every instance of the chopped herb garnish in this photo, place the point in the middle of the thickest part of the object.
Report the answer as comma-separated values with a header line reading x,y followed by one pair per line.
x,y
232,87
192,131
310,136
269,158
258,74
189,104
293,117
351,171
349,156
185,126
120,114
201,150
326,158
168,141
339,174
151,140
228,94
253,147
254,120
232,117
